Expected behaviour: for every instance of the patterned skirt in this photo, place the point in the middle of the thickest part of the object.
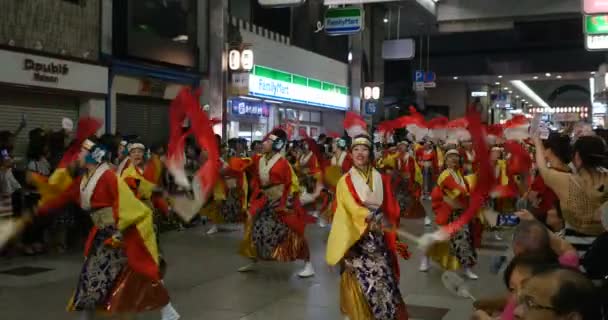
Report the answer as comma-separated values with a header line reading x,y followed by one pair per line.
x,y
402,193
459,251
107,283
268,238
231,209
369,289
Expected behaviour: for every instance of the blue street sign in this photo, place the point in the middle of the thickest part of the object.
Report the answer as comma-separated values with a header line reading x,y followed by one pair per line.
x,y
429,76
370,107
419,76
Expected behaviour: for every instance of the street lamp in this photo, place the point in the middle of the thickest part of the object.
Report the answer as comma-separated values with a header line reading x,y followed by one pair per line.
x,y
240,59
372,92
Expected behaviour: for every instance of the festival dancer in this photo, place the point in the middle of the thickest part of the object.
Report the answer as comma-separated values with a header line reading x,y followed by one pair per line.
x,y
275,228
339,164
229,201
123,159
341,157
427,159
411,173
450,197
361,240
121,270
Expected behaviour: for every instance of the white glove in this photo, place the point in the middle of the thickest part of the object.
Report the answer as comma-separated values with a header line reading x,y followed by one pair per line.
x,y
428,239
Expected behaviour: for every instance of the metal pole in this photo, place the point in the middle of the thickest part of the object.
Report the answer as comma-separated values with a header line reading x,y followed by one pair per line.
x,y
218,64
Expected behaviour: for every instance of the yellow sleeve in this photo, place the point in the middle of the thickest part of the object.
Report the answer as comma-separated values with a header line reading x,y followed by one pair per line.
x,y
419,179
446,183
502,166
348,224
295,183
145,187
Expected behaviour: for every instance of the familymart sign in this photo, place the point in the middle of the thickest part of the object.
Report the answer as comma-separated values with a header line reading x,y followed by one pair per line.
x,y
274,84
339,21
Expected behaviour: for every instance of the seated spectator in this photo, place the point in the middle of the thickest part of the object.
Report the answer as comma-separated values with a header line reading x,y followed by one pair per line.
x,y
558,293
517,272
530,238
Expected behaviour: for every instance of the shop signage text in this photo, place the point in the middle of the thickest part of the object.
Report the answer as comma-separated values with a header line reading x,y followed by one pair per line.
x,y
45,72
339,21
243,107
278,85
479,94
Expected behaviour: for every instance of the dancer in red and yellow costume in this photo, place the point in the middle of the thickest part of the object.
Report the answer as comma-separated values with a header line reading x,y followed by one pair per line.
x,y
275,228
339,164
450,198
412,174
121,269
143,177
361,241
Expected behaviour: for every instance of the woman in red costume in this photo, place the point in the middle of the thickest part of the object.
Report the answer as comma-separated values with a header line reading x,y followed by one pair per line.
x,y
362,242
120,274
275,230
339,164
411,173
450,198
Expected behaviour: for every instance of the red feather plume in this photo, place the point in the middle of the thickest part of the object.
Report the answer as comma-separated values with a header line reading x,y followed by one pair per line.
x,y
438,123
354,124
177,138
485,176
205,137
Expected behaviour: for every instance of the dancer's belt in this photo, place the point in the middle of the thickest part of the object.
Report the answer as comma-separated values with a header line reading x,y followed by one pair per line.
x,y
273,192
103,217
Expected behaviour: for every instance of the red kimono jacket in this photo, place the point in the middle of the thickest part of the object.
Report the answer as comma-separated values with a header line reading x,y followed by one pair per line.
x,y
282,174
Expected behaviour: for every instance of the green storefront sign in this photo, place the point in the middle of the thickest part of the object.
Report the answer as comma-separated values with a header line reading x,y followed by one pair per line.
x,y
279,85
596,24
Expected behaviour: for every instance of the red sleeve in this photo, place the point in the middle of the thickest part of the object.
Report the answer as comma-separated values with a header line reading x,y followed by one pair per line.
x,y
390,206
449,183
106,191
347,163
391,210
70,195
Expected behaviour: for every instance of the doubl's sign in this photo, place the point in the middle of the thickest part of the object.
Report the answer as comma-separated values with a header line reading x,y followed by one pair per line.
x,y
243,107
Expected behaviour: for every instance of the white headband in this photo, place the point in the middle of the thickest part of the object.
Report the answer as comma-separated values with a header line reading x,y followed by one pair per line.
x,y
137,145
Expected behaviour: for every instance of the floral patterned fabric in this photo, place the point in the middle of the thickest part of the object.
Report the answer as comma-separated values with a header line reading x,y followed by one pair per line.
x,y
368,260
99,273
231,209
461,243
268,232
